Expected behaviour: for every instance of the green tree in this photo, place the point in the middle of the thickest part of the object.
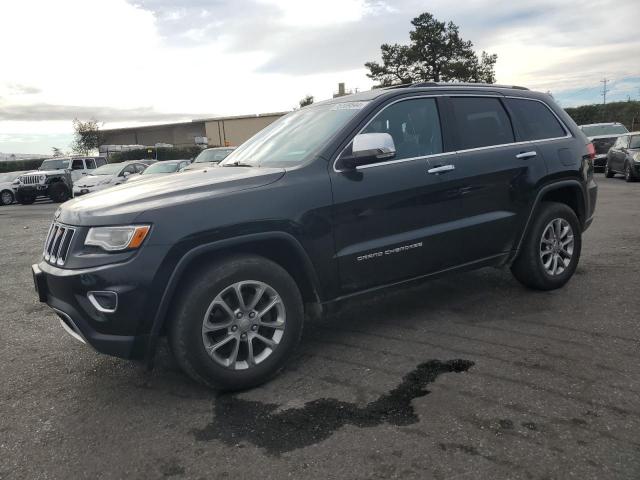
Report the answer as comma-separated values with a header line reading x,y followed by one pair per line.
x,y
57,152
308,100
87,136
436,53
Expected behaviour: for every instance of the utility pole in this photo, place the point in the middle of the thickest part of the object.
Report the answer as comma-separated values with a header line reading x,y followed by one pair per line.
x,y
604,82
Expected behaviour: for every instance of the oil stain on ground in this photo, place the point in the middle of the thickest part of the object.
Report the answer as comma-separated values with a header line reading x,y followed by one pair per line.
x,y
261,424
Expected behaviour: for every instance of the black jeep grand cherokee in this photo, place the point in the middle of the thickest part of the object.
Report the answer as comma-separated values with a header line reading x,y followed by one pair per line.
x,y
329,202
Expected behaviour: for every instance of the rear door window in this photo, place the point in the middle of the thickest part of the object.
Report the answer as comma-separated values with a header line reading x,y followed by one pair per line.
x,y
90,163
533,120
481,122
77,165
100,161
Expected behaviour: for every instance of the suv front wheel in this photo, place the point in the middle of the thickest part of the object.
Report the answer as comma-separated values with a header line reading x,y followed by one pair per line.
x,y
237,323
59,193
550,252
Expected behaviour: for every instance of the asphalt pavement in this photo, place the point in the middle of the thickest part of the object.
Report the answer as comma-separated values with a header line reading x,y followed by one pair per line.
x,y
469,376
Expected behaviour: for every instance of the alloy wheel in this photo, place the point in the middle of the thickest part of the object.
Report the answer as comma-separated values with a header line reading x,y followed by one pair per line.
x,y
556,246
6,198
243,325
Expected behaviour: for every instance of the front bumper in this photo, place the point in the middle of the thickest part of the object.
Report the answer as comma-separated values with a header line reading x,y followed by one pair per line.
x,y
115,333
600,160
30,190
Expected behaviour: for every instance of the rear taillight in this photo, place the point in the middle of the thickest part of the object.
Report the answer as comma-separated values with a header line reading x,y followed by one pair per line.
x,y
591,150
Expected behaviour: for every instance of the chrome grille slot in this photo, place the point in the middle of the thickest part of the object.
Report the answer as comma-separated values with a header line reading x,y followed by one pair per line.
x,y
58,243
30,179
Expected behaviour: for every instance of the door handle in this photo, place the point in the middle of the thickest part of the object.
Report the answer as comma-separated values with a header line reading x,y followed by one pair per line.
x,y
525,155
441,169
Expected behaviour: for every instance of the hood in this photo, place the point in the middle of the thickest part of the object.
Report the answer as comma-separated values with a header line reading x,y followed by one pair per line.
x,y
135,178
124,203
45,172
93,180
201,166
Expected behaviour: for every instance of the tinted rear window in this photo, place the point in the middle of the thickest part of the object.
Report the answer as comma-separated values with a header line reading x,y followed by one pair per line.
x,y
533,120
481,122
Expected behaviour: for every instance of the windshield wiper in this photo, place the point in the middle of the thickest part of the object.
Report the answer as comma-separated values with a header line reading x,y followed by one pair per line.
x,y
237,164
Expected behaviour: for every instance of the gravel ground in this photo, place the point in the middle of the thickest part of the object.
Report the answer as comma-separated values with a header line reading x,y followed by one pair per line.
x,y
470,376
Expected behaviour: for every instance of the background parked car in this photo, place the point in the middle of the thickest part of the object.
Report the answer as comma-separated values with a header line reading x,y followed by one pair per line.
x,y
160,168
624,157
55,178
107,176
603,136
210,157
7,193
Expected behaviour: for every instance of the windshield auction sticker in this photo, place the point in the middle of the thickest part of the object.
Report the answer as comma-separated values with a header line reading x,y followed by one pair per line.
x,y
349,106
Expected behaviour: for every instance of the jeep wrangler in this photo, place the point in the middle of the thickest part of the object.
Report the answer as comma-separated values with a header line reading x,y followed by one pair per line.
x,y
54,179
338,199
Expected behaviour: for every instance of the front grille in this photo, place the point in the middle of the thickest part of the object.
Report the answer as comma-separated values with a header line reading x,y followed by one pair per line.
x,y
57,244
602,145
30,179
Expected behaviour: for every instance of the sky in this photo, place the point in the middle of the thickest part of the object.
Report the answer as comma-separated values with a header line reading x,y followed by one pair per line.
x,y
153,61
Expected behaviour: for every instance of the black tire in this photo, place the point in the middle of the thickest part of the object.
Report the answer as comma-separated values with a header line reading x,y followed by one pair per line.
x,y
58,192
628,175
25,199
607,172
6,197
185,329
528,267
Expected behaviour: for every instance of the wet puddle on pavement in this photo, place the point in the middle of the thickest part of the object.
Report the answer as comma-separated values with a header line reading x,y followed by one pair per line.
x,y
280,431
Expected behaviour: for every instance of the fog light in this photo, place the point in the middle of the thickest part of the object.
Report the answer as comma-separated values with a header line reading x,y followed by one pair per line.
x,y
106,302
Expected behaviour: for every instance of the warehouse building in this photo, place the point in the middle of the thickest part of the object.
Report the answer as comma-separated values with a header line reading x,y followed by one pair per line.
x,y
214,132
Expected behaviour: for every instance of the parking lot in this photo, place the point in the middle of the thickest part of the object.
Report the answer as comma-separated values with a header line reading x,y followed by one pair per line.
x,y
469,376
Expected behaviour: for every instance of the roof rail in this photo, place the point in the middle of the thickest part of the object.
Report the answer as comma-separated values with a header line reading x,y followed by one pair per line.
x,y
454,84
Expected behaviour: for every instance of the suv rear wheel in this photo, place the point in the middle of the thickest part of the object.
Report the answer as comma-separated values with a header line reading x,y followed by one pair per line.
x,y
549,254
628,175
238,323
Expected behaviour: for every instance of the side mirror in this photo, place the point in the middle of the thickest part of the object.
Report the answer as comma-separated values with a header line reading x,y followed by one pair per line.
x,y
369,148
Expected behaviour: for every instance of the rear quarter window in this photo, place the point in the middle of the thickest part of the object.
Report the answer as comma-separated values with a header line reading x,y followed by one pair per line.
x,y
533,120
481,122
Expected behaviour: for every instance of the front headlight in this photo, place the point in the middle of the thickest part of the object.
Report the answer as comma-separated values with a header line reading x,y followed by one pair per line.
x,y
115,239
16,182
42,178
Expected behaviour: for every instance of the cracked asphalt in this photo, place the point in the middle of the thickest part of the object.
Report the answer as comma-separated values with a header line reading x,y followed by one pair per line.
x,y
469,376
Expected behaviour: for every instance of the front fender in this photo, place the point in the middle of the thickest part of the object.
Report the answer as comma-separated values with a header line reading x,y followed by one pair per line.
x,y
187,258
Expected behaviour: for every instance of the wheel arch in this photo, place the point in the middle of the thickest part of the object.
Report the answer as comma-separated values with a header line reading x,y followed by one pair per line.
x,y
280,247
569,192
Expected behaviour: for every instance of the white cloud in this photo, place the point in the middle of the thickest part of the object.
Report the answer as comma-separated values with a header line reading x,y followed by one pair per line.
x,y
206,57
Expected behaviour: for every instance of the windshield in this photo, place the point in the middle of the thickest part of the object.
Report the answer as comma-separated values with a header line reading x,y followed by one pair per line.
x,y
213,155
292,139
54,164
108,169
596,130
635,141
161,168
